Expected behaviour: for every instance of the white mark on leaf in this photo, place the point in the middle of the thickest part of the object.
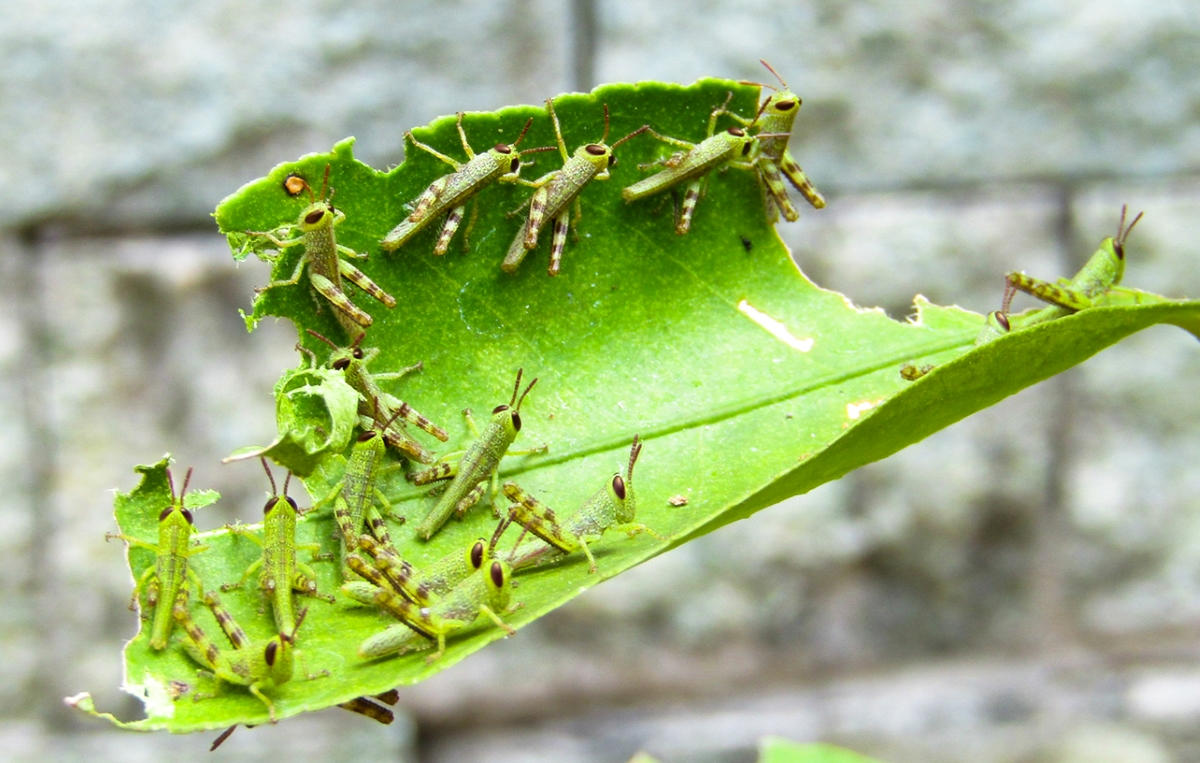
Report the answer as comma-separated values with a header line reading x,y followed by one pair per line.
x,y
774,327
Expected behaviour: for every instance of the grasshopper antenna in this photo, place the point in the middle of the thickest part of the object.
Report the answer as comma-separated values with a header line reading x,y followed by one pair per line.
x,y
326,339
271,477
772,70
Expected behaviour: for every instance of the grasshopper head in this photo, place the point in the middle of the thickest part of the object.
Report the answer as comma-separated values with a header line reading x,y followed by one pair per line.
x,y
177,508
318,214
509,415
279,654
507,156
276,499
620,489
780,108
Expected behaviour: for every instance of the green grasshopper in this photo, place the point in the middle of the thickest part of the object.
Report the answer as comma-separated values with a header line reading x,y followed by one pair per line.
x,y
477,465
452,192
557,190
325,259
355,494
487,590
282,574
167,580
774,159
734,147
612,507
374,402
426,586
1096,278
258,667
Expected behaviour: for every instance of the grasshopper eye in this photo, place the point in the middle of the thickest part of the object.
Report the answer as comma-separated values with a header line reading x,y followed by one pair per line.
x,y
746,148
497,575
477,554
786,105
358,353
502,148
164,513
270,505
341,364
595,149
292,502
270,652
293,184
736,132
1119,249
1002,319
612,159
368,436
499,408
314,217
516,420
618,486
188,516
516,164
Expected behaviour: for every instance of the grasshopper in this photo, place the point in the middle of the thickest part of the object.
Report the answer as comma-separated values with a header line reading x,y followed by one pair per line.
x,y
734,147
475,466
557,190
1091,284
375,403
282,574
426,586
325,258
452,192
487,590
361,705
258,667
167,580
612,507
773,159
355,494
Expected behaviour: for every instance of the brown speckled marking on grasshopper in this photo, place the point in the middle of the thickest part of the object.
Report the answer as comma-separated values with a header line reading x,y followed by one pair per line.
x,y
326,258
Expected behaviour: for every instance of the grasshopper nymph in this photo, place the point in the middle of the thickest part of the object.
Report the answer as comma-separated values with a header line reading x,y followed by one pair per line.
x,y
452,192
775,130
168,579
259,667
374,403
1102,272
734,147
325,258
558,190
476,467
487,591
282,574
612,507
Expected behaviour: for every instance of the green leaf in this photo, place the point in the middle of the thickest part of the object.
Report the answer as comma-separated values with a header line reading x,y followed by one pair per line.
x,y
779,750
747,382
316,412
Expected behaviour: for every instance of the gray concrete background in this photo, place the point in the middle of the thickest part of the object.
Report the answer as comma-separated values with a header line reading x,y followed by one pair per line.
x,y
1022,587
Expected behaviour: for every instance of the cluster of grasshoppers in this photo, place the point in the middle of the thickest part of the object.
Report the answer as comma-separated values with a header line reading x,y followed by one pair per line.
x,y
556,193
431,603
758,145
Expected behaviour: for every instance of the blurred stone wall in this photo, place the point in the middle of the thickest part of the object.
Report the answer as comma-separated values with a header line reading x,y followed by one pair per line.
x,y
1024,586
